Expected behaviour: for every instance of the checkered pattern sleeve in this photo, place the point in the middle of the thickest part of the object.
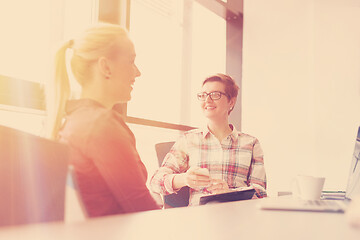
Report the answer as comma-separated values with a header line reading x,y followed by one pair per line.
x,y
175,162
257,175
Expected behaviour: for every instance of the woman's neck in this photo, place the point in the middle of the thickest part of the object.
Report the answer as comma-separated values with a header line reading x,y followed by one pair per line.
x,y
219,129
95,94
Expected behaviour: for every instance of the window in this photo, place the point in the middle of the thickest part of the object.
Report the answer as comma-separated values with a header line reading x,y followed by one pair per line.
x,y
178,44
30,31
25,42
156,29
208,54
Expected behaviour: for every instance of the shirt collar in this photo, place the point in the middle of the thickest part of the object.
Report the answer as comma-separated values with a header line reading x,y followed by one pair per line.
x,y
205,131
73,105
234,134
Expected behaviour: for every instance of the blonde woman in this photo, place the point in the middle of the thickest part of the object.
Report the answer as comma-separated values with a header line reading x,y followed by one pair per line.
x,y
110,175
216,158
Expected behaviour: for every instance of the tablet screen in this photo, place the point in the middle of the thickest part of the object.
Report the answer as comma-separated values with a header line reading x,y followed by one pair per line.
x,y
228,197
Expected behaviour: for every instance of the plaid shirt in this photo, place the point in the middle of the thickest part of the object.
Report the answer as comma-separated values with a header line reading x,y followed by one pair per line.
x,y
238,160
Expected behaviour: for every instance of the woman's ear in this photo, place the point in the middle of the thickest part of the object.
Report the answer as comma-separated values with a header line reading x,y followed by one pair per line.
x,y
104,67
232,102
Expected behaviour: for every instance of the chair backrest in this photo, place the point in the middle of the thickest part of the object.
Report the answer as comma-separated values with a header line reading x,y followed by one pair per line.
x,y
162,149
32,178
181,198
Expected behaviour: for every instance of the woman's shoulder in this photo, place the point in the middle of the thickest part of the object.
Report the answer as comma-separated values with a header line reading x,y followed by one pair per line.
x,y
247,136
102,118
89,112
96,121
109,122
193,133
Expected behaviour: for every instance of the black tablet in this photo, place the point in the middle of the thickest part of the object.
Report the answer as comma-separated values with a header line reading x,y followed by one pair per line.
x,y
228,197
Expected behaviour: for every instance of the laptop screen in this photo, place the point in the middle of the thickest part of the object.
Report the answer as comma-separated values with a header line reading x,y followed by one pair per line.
x,y
353,186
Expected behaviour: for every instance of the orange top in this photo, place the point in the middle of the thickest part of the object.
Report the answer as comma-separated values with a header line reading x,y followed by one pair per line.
x,y
109,172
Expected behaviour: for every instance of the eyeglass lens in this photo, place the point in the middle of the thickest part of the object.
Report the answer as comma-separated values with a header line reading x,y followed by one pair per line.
x,y
213,96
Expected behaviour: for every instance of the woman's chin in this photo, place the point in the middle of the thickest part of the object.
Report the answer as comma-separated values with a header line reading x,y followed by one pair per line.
x,y
215,117
209,115
123,99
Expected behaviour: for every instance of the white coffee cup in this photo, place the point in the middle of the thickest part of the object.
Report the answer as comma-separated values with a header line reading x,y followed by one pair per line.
x,y
308,187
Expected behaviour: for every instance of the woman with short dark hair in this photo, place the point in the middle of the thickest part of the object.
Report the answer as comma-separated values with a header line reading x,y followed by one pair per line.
x,y
216,158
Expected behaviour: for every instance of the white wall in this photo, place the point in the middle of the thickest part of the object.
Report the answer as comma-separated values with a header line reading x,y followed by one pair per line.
x,y
301,86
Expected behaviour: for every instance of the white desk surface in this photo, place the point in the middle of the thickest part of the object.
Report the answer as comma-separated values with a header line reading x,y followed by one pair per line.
x,y
234,220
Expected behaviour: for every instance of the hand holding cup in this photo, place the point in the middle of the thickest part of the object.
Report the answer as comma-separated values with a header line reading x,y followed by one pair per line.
x,y
198,178
218,186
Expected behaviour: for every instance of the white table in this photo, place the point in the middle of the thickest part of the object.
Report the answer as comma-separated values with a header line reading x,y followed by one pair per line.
x,y
234,220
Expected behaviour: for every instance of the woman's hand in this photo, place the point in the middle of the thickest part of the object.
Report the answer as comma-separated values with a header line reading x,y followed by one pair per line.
x,y
218,186
197,178
158,199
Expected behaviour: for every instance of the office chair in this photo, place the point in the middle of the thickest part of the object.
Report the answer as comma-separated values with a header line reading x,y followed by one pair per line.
x,y
32,178
181,198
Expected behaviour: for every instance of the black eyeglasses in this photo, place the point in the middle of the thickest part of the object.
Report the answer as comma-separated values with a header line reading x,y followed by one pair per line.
x,y
216,95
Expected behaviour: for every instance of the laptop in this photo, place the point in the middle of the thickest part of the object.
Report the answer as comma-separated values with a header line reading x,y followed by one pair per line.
x,y
33,174
330,201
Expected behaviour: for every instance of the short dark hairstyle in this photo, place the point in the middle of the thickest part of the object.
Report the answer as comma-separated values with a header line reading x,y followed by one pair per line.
x,y
231,88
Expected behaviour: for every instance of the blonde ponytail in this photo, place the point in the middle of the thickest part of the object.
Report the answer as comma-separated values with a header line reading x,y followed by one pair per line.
x,y
58,93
